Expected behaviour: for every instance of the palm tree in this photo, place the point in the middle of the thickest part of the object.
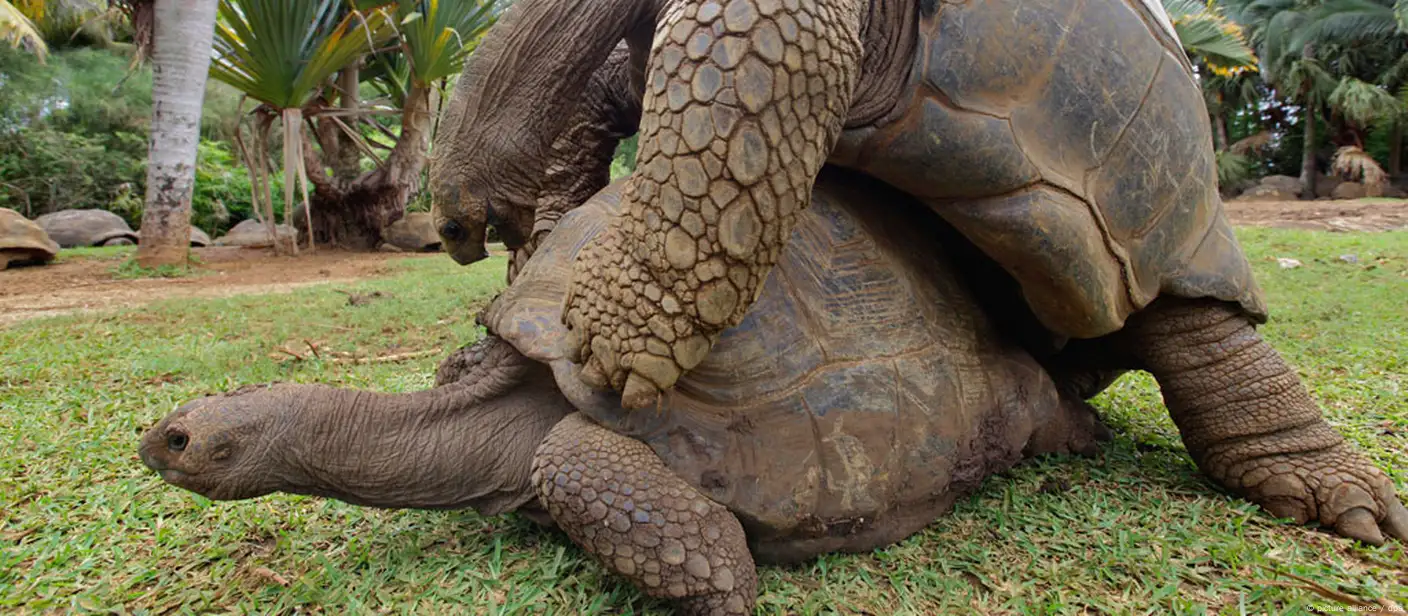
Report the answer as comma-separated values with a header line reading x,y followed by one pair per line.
x,y
303,60
181,59
1290,65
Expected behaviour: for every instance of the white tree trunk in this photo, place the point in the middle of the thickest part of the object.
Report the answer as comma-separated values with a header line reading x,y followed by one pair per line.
x,y
182,35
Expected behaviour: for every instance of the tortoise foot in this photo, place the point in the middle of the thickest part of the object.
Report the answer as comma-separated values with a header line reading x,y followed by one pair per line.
x,y
1336,486
629,330
617,500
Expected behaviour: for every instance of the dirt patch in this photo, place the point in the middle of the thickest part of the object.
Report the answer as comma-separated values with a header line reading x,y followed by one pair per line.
x,y
85,284
1346,215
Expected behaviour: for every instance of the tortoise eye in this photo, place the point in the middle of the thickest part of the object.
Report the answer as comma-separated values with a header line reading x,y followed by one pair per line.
x,y
452,231
177,441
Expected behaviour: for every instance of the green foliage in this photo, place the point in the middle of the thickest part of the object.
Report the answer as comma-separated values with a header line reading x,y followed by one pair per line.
x,y
624,161
1232,168
73,134
222,195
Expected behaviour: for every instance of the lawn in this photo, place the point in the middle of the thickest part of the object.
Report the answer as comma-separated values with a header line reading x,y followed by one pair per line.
x,y
83,526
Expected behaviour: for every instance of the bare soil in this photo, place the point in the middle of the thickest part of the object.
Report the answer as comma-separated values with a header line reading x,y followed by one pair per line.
x,y
1347,215
81,284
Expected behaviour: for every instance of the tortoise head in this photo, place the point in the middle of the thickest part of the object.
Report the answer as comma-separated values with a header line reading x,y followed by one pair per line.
x,y
462,217
219,446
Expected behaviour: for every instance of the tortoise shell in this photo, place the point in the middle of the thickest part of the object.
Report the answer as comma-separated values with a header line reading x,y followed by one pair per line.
x,y
22,241
79,228
1068,141
862,394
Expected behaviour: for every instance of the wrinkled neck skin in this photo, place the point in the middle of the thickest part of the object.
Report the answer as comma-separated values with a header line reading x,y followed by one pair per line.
x,y
520,87
467,444
890,37
579,164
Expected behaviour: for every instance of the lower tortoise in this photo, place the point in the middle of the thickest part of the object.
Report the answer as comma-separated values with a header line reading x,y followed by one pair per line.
x,y
865,391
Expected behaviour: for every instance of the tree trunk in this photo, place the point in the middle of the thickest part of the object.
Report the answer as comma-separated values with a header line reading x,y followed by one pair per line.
x,y
1219,124
1307,156
1395,150
353,215
183,30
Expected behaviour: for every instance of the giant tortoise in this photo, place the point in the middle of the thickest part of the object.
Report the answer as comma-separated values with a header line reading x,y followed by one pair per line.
x,y
1065,140
863,393
81,228
22,241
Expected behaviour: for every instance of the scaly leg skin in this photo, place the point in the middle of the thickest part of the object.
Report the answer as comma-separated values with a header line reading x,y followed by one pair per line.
x,y
614,497
744,100
1250,424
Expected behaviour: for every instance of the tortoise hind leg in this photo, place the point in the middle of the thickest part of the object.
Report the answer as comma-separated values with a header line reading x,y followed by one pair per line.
x,y
616,499
1251,425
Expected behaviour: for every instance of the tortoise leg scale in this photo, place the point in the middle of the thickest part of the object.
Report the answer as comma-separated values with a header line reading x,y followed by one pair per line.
x,y
743,101
616,499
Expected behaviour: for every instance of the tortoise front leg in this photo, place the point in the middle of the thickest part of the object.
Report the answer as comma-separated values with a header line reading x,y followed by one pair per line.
x,y
1250,424
616,499
744,100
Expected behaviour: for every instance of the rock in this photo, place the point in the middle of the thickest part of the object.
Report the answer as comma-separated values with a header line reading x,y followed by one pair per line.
x,y
1349,258
414,232
1261,192
250,234
1288,263
1283,182
1325,185
78,228
1349,190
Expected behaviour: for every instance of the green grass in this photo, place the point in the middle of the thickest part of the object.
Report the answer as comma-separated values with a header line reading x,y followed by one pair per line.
x,y
1136,530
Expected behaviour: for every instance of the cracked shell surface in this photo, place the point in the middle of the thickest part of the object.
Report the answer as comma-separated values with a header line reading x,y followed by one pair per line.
x,y
1069,142
21,240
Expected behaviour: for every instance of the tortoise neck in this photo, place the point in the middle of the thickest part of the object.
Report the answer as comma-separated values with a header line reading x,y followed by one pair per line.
x,y
890,37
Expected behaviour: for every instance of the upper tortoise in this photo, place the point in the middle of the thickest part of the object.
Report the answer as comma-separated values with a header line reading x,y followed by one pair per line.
x,y
1065,140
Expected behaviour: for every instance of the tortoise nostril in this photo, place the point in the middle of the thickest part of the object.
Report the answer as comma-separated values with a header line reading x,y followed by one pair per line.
x,y
452,231
177,441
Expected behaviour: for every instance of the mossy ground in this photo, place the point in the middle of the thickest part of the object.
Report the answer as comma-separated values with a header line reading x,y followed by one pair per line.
x,y
1136,530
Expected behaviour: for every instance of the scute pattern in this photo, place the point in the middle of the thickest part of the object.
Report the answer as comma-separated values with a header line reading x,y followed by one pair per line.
x,y
882,389
612,495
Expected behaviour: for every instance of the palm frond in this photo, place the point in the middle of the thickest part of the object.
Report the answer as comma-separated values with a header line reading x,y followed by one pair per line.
x,y
1206,33
17,28
280,53
437,35
1353,163
1363,103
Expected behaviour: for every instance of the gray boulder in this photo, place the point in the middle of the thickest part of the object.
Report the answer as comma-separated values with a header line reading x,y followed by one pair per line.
x,y
250,234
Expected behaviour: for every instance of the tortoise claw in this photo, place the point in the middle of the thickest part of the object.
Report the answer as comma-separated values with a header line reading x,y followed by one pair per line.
x,y
593,375
639,392
1396,522
1358,523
